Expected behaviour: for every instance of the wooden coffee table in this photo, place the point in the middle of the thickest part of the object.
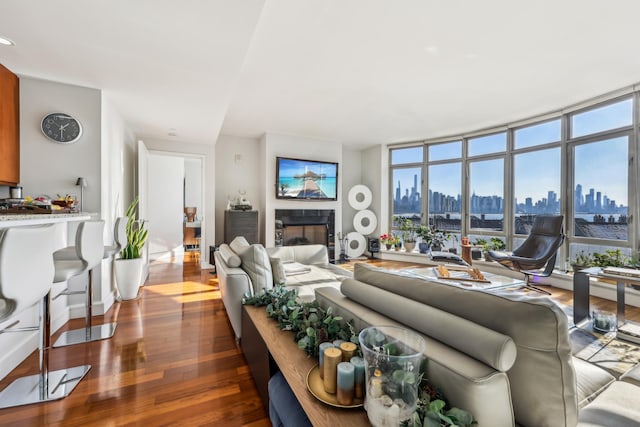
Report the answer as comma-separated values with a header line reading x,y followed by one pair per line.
x,y
268,349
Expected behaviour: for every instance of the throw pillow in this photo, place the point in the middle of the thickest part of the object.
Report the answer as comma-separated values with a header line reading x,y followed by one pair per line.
x,y
279,278
255,261
230,257
238,244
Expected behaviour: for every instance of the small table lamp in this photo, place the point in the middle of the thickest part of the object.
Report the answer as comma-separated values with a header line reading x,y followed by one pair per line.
x,y
82,182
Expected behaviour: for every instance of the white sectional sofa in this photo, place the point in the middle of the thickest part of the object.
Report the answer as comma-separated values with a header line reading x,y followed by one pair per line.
x,y
503,355
245,269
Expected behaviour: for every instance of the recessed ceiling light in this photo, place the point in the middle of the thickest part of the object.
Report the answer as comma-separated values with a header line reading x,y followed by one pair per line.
x,y
6,42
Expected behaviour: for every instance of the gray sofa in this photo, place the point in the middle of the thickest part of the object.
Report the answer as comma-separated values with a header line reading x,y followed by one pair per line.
x,y
245,269
503,355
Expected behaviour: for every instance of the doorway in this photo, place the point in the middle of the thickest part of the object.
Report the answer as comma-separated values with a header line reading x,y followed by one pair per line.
x,y
175,182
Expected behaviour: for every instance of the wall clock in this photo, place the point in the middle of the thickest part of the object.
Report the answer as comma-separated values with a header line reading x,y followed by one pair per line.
x,y
61,128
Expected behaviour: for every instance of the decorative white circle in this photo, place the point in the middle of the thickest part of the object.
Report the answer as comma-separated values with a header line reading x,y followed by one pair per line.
x,y
365,222
356,245
359,192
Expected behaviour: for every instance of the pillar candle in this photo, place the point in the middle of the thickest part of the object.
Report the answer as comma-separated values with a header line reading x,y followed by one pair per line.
x,y
358,364
348,350
337,343
332,356
346,378
323,346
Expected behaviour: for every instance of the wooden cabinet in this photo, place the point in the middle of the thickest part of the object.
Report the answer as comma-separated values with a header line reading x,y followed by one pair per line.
x,y
241,223
9,128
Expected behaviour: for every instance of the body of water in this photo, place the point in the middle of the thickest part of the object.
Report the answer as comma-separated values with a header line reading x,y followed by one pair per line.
x,y
327,185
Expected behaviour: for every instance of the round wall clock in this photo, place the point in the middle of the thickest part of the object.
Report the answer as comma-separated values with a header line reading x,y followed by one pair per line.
x,y
61,128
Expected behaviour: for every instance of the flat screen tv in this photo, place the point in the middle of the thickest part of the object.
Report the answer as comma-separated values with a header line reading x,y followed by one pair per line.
x,y
298,179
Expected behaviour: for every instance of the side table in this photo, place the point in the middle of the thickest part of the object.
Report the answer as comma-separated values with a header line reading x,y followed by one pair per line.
x,y
268,349
581,290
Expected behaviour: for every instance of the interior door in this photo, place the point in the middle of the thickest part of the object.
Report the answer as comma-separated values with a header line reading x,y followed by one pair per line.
x,y
165,204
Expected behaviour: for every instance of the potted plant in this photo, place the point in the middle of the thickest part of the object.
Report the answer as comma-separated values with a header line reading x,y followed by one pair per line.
x,y
387,240
582,260
426,235
128,268
439,238
494,244
408,229
397,242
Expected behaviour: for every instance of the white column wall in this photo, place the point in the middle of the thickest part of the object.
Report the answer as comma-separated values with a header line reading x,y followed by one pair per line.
x,y
275,145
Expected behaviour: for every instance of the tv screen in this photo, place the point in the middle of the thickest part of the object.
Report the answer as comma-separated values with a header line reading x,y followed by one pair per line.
x,y
298,179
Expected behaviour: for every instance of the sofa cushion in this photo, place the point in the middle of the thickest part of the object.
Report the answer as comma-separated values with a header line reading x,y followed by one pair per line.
x,y
255,262
304,254
618,405
277,269
632,376
238,244
488,346
228,256
536,324
592,380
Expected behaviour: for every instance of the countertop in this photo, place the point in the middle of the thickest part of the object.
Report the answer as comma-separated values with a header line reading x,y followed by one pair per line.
x,y
14,220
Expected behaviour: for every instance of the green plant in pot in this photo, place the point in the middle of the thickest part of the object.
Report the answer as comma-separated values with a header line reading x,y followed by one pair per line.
x,y
581,261
425,234
408,230
128,268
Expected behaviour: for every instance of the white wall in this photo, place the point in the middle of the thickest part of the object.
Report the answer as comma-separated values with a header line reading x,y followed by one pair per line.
x,y
237,168
166,178
375,175
207,152
351,175
50,168
303,148
118,166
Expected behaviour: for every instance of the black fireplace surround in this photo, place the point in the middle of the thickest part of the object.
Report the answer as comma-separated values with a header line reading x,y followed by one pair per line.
x,y
306,227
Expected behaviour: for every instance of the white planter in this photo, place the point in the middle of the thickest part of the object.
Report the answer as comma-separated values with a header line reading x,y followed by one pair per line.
x,y
128,277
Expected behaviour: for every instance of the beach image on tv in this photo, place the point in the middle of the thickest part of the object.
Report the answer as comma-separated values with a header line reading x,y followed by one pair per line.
x,y
304,179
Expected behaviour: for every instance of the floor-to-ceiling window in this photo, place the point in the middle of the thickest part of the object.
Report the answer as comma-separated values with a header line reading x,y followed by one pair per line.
x,y
578,163
406,179
600,143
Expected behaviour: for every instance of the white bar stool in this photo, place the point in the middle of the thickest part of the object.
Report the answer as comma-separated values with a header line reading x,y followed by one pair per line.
x,y
119,238
26,270
89,252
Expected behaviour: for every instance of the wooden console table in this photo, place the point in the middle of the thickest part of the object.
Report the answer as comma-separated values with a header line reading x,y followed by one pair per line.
x,y
268,349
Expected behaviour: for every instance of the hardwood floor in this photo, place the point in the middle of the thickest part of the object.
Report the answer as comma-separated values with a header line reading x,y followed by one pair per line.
x,y
172,361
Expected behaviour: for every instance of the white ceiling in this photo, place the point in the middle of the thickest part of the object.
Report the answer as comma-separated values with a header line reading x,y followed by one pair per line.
x,y
361,72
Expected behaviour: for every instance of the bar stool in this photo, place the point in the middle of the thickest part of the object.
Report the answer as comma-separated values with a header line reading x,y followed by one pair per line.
x,y
26,269
119,238
89,252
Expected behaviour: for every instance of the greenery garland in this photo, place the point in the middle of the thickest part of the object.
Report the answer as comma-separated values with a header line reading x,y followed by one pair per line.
x,y
312,325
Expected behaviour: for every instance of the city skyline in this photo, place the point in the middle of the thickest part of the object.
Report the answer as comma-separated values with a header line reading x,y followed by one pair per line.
x,y
592,202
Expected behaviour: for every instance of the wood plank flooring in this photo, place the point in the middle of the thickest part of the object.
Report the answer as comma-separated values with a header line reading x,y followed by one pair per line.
x,y
172,361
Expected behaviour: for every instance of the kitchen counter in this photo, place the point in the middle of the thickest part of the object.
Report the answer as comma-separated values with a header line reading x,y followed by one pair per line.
x,y
15,220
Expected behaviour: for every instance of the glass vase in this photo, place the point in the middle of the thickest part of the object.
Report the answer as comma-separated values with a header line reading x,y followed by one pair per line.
x,y
393,358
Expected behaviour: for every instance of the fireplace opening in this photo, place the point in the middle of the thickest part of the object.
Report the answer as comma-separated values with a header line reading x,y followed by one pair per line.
x,y
306,227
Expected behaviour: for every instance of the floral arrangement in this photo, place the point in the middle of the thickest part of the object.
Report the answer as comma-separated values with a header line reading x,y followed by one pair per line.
x,y
313,325
387,239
